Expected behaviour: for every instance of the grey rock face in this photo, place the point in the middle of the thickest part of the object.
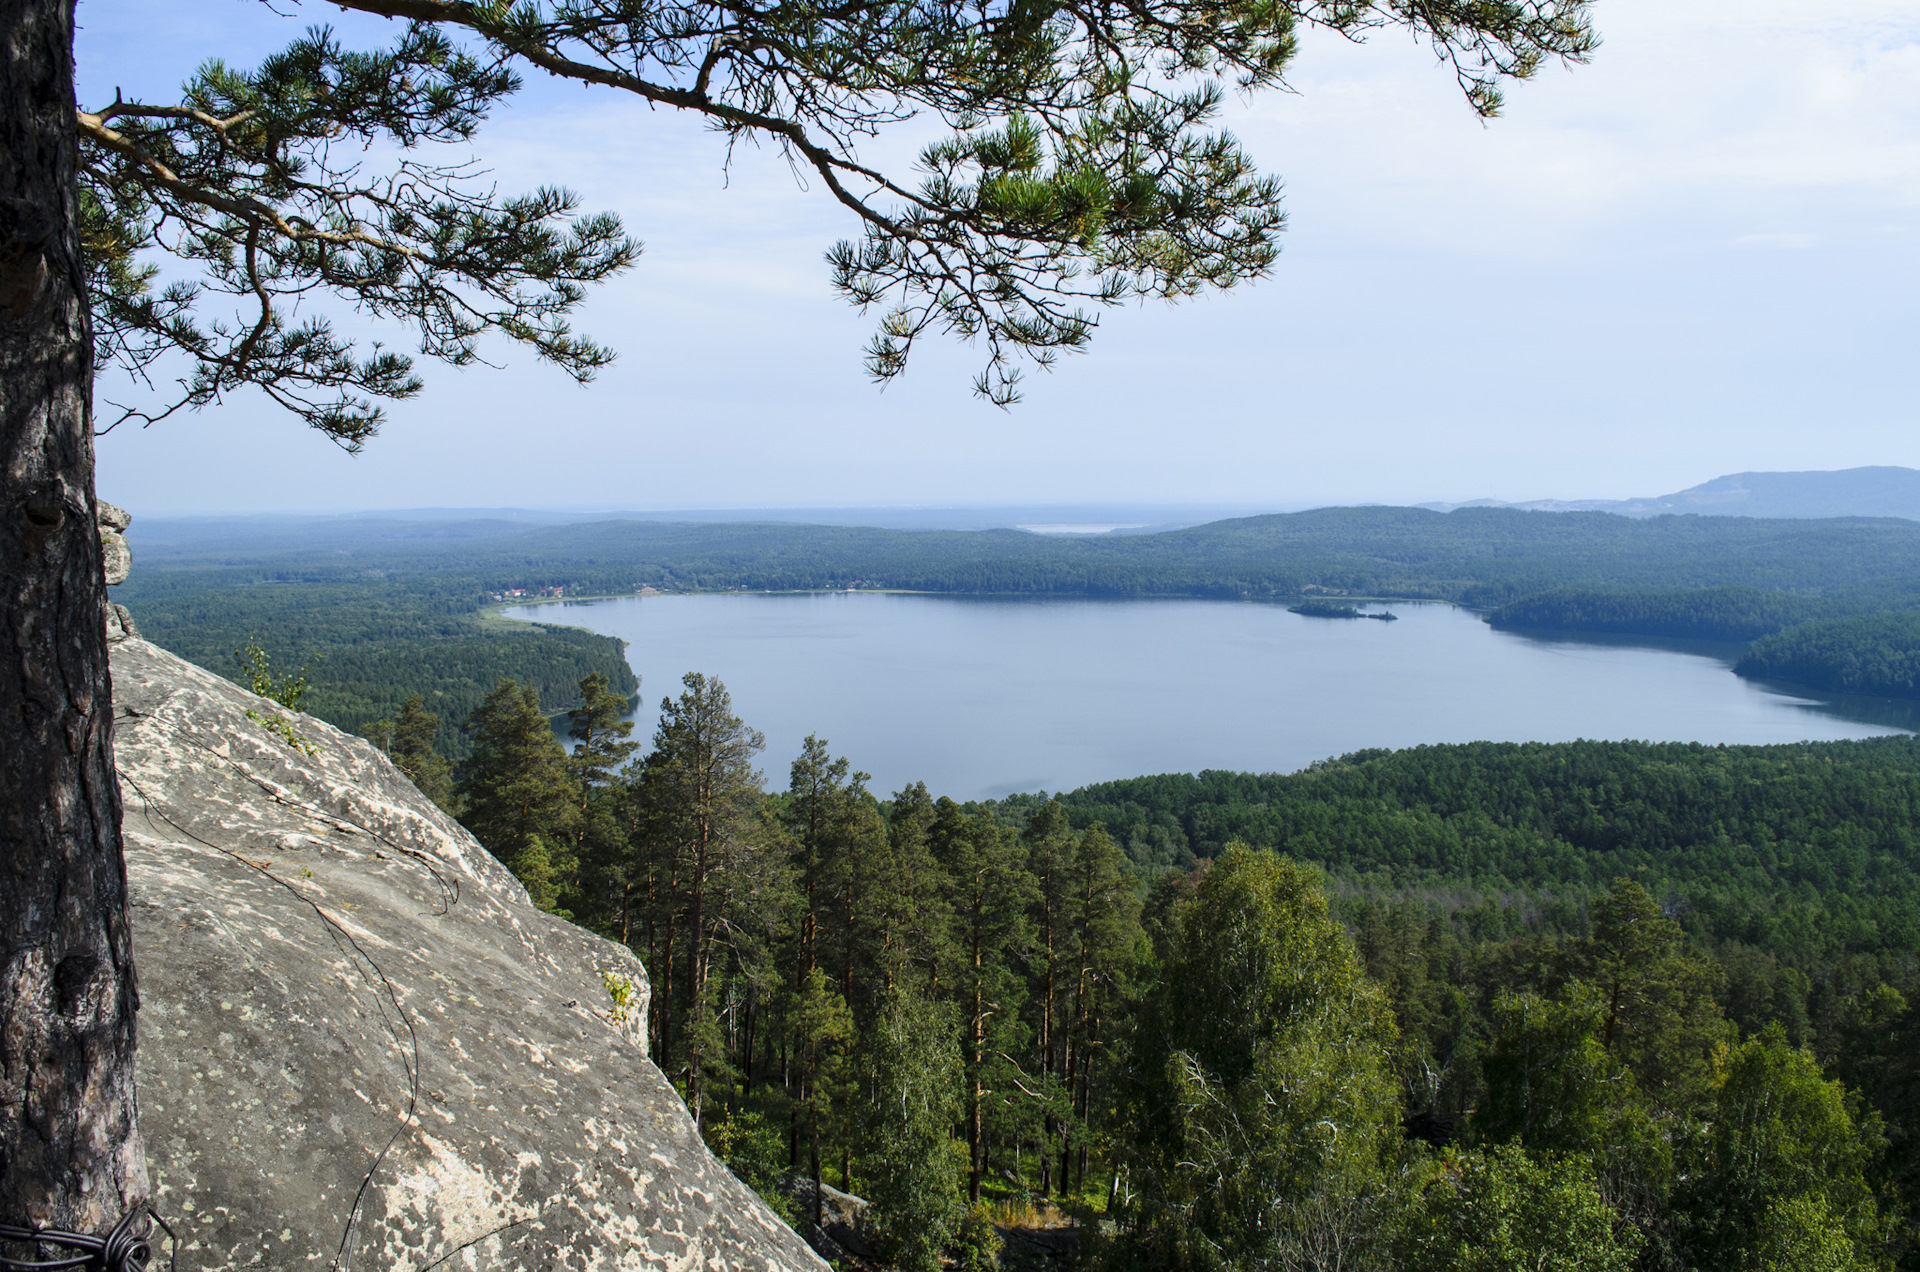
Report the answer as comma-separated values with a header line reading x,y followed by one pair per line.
x,y
117,556
113,542
843,1229
360,1045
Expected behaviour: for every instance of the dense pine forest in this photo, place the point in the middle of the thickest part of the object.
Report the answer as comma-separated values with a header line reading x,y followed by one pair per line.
x,y
364,645
1579,1006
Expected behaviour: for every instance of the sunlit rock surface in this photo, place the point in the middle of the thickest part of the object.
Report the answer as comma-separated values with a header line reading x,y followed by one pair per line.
x,y
360,1045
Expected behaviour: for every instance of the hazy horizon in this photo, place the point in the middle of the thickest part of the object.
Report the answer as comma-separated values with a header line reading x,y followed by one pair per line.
x,y
1054,517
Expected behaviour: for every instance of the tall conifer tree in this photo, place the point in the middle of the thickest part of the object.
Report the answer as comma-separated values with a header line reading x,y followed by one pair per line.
x,y
908,916
519,801
408,741
702,794
1107,945
989,890
1049,842
602,744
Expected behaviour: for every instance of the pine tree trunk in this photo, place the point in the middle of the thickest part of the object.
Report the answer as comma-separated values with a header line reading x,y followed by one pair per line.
x,y
976,1057
813,1161
70,1151
697,970
749,1031
1047,1041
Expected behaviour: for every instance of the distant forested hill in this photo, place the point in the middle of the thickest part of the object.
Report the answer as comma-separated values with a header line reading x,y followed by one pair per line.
x,y
1881,491
1481,556
1476,556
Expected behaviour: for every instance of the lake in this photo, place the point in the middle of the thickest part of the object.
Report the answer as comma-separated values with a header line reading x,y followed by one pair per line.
x,y
982,697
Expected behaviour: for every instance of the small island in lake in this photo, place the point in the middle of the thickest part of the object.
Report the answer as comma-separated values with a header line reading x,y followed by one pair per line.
x,y
1336,609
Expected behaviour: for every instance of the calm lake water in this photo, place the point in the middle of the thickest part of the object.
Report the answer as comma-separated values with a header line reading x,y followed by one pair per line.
x,y
984,697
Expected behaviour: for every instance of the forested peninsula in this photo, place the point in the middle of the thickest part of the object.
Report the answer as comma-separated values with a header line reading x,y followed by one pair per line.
x,y
1875,653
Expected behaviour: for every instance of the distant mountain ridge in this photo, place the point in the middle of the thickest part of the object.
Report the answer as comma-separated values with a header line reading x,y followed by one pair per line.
x,y
1877,491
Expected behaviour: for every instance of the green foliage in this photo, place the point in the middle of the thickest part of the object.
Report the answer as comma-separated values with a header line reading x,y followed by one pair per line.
x,y
990,894
1505,1210
1266,1102
622,993
266,194
601,738
282,728
371,645
1553,1087
1709,613
755,1151
1783,1143
909,1101
518,801
1801,1234
698,792
1872,654
256,672
976,1245
408,742
1324,609
533,866
1072,177
1807,851
1659,1010
823,1034
1876,1051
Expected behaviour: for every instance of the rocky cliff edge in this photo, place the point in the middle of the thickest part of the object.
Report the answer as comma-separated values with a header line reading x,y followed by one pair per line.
x,y
360,1045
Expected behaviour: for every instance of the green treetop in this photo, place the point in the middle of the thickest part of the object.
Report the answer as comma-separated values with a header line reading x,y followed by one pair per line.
x,y
1660,1013
702,796
518,800
602,740
1785,1180
989,892
907,918
908,1104
408,742
1267,1109
1502,1210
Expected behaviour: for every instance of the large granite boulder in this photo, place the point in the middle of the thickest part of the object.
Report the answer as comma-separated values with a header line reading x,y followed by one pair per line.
x,y
360,1045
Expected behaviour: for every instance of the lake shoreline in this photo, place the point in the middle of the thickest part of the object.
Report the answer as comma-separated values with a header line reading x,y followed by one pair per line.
x,y
983,696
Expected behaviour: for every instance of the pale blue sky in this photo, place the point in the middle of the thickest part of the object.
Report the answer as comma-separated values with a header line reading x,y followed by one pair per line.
x,y
1699,254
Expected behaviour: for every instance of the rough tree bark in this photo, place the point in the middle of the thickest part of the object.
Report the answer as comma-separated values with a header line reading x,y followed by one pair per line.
x,y
70,1151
